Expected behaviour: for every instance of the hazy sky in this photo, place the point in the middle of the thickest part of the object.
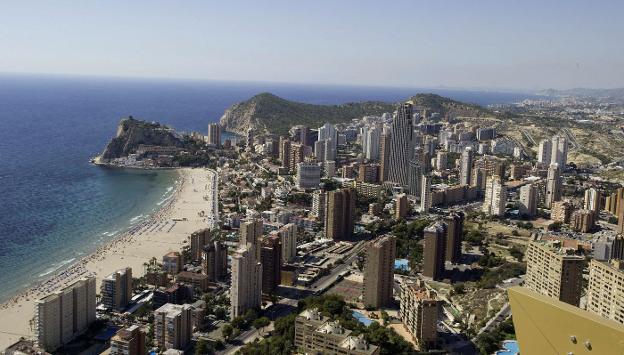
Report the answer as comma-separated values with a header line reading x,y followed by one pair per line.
x,y
463,43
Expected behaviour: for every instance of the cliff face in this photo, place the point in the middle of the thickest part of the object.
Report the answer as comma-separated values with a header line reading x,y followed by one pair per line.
x,y
269,113
131,133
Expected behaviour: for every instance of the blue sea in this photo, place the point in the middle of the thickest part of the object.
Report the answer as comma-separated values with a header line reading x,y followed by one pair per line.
x,y
55,206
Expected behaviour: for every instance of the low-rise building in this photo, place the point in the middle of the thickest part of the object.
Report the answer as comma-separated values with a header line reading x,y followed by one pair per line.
x,y
199,281
316,334
172,262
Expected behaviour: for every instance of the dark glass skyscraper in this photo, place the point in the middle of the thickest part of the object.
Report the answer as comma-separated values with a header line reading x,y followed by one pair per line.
x,y
402,132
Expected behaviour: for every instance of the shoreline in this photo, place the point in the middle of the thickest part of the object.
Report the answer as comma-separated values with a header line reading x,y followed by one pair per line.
x,y
163,231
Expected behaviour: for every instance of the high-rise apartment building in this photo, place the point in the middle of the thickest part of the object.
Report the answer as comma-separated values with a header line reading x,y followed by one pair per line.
x,y
425,194
466,166
419,310
319,204
379,272
285,152
561,211
297,155
434,251
373,138
319,151
545,152
128,341
554,271
414,175
368,173
245,292
116,289
559,154
340,214
308,175
441,161
605,291
288,238
384,155
214,134
495,196
327,131
553,185
214,261
402,132
528,200
271,259
172,326
172,262
592,200
583,221
199,239
64,313
250,232
400,206
454,236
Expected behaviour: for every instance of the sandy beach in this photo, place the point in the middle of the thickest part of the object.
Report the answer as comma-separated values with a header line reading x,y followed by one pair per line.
x,y
167,230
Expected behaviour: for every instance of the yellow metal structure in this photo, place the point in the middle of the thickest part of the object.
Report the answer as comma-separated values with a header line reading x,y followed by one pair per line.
x,y
546,325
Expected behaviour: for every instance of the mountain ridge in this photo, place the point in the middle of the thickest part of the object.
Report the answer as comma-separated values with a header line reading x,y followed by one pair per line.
x,y
268,113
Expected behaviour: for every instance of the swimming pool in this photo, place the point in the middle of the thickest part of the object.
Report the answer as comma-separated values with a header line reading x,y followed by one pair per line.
x,y
401,264
362,318
510,347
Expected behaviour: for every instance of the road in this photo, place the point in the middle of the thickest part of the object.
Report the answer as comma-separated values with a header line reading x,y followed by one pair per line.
x,y
324,282
502,314
212,196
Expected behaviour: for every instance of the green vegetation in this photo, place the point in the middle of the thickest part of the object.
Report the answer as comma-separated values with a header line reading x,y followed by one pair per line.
x,y
516,252
408,240
333,306
555,226
274,114
446,106
474,237
494,276
490,342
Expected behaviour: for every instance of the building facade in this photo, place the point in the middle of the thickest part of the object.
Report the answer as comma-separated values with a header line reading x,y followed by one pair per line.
x,y
172,326
245,292
116,290
379,272
554,271
60,316
340,214
495,196
419,310
434,251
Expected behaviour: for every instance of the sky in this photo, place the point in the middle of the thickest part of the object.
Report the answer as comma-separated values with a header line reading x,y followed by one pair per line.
x,y
484,44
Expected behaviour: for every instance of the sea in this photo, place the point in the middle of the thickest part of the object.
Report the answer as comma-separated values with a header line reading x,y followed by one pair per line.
x,y
55,206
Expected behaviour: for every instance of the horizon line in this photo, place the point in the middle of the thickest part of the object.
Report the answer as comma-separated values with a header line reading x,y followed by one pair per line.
x,y
238,81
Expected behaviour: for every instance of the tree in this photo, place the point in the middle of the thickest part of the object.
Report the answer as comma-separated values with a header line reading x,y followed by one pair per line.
x,y
227,331
202,347
261,322
220,313
385,317
459,288
516,253
555,226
